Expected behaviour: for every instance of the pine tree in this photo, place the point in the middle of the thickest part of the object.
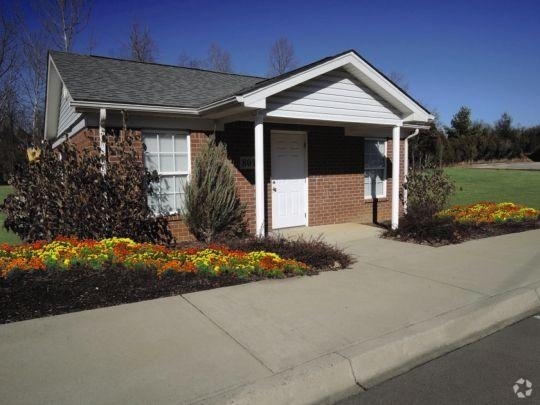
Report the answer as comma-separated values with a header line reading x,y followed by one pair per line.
x,y
212,208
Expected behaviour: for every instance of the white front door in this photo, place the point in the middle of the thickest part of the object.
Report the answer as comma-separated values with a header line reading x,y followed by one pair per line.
x,y
289,179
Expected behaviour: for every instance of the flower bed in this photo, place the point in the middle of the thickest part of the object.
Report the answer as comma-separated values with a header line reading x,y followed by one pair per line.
x,y
66,275
66,253
489,213
461,223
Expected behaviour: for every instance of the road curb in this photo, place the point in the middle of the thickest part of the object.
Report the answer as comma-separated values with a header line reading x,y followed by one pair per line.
x,y
324,380
338,375
419,343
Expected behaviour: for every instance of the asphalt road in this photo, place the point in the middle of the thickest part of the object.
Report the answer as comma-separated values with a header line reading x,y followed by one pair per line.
x,y
481,373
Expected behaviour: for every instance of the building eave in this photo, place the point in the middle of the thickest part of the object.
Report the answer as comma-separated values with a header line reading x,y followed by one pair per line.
x,y
85,105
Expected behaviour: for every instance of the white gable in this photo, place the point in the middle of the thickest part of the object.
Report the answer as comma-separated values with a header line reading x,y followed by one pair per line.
x,y
67,115
333,96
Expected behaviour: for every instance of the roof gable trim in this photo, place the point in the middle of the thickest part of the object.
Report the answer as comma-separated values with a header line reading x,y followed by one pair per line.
x,y
359,68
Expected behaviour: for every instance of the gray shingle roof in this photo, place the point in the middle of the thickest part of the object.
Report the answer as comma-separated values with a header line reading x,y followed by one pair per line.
x,y
96,78
102,79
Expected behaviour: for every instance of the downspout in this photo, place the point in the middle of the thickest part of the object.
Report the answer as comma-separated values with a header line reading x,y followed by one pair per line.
x,y
102,140
406,165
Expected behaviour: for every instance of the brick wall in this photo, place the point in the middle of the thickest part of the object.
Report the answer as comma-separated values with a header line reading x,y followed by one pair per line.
x,y
335,174
85,138
336,179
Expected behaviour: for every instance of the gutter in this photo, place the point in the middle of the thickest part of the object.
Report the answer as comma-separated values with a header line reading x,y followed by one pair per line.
x,y
154,109
134,107
219,103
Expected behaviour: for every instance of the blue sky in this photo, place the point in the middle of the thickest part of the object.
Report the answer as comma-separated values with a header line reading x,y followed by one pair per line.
x,y
484,54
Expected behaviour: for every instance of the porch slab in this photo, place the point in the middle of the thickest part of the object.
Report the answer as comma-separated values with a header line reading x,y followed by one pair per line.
x,y
339,234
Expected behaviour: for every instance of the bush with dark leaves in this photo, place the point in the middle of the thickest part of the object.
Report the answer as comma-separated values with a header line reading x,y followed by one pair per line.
x,y
314,252
65,192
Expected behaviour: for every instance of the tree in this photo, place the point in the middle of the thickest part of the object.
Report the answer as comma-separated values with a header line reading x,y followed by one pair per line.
x,y
184,60
399,79
218,59
503,126
428,147
281,57
461,122
212,207
34,55
8,44
12,134
63,20
141,47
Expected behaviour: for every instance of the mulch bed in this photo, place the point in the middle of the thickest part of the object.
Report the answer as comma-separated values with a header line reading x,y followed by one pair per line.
x,y
446,232
27,295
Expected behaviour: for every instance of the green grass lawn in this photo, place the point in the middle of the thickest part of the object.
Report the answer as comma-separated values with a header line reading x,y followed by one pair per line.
x,y
473,185
5,236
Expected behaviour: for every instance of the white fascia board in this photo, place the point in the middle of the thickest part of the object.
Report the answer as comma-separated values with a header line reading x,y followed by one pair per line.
x,y
415,126
133,107
334,118
52,100
218,104
362,70
387,90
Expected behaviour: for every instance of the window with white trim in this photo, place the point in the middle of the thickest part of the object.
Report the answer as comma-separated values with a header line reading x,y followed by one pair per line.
x,y
374,168
168,154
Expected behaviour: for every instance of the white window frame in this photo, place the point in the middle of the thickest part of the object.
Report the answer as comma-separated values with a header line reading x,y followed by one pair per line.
x,y
186,173
383,195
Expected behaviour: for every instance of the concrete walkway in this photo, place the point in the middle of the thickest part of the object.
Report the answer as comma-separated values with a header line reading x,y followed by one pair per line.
x,y
508,166
301,340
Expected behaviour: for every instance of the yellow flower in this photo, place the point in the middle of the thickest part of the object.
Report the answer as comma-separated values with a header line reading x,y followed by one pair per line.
x,y
33,154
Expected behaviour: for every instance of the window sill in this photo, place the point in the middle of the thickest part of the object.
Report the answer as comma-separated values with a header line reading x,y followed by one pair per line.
x,y
377,199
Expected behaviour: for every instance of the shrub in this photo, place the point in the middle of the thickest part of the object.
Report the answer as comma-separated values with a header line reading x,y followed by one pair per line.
x,y
314,251
212,207
428,191
63,191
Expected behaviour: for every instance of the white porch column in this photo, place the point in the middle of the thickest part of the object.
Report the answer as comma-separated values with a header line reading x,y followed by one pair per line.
x,y
102,143
405,170
395,176
259,174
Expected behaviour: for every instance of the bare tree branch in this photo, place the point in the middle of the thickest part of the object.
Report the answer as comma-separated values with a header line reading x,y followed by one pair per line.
x,y
184,60
64,20
281,57
399,79
141,47
8,43
218,59
33,77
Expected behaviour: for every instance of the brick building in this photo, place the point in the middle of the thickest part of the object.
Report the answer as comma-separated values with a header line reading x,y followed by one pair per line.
x,y
314,146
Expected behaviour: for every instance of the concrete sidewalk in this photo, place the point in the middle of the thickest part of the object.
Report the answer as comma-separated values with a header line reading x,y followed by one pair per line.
x,y
301,340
